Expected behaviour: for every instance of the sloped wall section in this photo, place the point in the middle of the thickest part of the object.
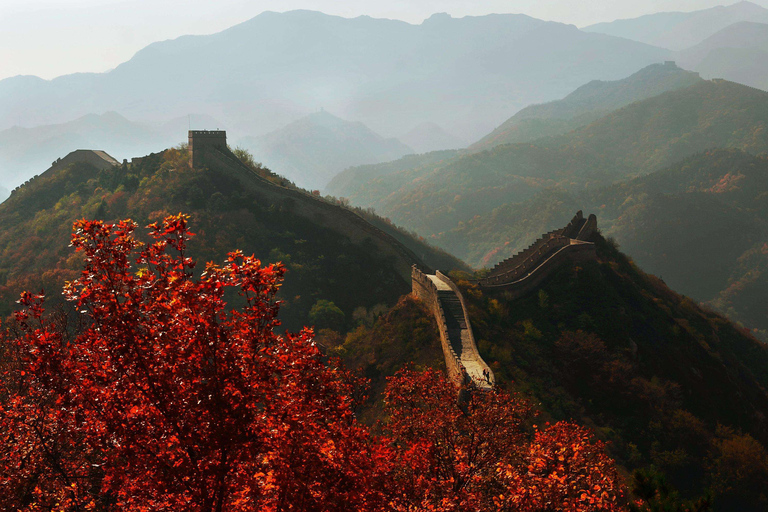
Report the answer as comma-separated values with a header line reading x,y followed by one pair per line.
x,y
462,359
524,271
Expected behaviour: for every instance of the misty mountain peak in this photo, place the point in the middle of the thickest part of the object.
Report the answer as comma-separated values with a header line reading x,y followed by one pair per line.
x,y
438,17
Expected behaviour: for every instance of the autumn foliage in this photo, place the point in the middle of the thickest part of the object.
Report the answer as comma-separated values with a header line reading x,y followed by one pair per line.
x,y
159,397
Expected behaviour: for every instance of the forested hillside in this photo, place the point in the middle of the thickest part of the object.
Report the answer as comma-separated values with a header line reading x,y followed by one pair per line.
x,y
433,197
324,266
701,225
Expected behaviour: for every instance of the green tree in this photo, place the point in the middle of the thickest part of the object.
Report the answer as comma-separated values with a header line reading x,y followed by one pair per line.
x,y
326,315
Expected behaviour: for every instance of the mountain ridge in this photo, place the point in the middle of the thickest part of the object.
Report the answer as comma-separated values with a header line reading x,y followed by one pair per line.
x,y
223,74
680,30
587,104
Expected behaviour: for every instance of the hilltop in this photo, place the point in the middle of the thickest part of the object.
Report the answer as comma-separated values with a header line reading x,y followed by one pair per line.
x,y
313,149
668,383
331,252
587,104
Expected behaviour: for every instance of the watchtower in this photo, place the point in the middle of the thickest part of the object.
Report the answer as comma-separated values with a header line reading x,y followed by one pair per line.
x,y
199,140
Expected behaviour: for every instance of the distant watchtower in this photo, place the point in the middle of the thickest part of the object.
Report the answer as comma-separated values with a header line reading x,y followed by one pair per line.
x,y
199,140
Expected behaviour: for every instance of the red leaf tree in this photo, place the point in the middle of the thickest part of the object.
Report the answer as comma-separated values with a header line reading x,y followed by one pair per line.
x,y
475,454
177,403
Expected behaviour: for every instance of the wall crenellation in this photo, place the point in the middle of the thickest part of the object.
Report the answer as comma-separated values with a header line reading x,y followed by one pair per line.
x,y
529,267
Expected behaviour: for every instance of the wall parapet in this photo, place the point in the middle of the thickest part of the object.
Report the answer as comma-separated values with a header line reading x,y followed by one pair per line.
x,y
528,268
569,231
576,251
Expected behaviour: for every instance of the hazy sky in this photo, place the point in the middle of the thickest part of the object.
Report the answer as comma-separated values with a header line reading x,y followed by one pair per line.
x,y
49,38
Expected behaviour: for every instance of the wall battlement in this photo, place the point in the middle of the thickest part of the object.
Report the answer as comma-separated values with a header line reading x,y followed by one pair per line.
x,y
525,270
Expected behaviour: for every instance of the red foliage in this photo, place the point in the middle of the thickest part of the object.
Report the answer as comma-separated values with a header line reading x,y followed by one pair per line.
x,y
473,454
179,404
563,470
166,400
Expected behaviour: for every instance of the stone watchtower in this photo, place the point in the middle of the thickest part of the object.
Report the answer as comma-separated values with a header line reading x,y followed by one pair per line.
x,y
199,140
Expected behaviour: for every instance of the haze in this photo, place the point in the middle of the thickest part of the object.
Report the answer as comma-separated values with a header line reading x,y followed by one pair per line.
x,y
49,38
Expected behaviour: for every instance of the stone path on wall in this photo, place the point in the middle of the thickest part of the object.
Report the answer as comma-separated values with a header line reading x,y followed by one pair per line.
x,y
515,276
460,334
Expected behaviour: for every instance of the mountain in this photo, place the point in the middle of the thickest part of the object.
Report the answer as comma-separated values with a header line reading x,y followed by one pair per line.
x,y
681,30
677,390
587,104
25,151
315,148
467,75
701,225
331,252
605,344
428,137
352,181
638,139
739,53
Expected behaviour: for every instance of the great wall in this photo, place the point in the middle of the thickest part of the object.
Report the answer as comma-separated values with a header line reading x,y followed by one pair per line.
x,y
209,149
515,276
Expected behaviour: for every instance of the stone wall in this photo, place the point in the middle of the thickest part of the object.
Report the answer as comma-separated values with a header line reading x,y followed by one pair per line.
x,y
588,228
470,352
573,227
426,291
569,231
575,251
533,258
524,271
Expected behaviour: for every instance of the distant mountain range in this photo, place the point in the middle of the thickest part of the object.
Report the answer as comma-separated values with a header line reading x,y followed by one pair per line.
x,y
315,148
429,136
466,75
587,104
432,196
739,52
681,30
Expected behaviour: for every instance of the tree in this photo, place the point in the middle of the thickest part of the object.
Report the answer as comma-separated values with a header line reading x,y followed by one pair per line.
x,y
177,403
477,455
326,315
